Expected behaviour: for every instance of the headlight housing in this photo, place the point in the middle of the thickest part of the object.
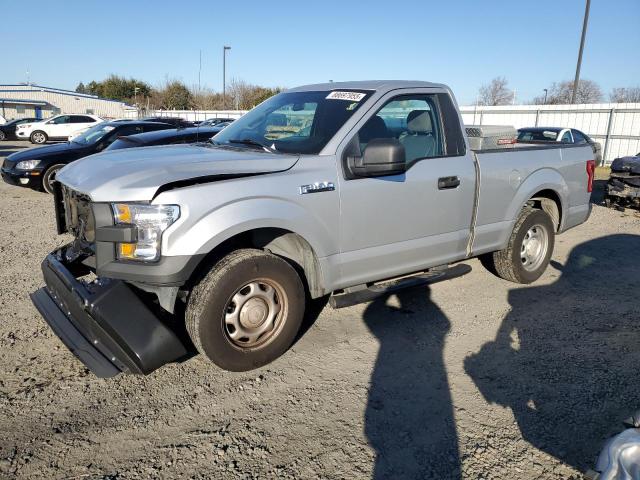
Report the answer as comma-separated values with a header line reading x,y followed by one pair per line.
x,y
150,221
27,164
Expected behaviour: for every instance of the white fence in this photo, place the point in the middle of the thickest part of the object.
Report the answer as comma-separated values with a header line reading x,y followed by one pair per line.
x,y
191,115
615,125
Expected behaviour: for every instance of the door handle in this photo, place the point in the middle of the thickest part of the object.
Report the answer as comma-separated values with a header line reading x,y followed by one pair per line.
x,y
445,183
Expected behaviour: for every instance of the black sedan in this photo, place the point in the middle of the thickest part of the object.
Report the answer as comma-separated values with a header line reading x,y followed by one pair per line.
x,y
36,167
8,130
177,122
166,137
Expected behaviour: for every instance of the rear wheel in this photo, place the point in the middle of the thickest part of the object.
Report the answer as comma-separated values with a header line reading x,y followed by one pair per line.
x,y
39,137
247,311
529,249
49,177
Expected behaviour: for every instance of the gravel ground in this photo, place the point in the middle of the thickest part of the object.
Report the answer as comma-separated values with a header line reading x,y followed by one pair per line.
x,y
472,378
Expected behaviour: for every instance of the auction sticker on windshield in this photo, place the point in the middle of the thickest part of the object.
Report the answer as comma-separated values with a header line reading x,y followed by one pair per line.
x,y
351,96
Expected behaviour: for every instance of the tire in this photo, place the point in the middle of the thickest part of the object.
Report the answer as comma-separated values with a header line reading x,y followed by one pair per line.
x,y
38,137
237,300
50,175
529,249
3,137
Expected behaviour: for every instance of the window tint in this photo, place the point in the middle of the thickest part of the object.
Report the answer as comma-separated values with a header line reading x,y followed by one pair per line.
x,y
566,137
411,119
81,119
578,137
129,130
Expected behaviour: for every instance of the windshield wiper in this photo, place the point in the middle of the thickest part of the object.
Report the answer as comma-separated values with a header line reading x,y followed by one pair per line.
x,y
249,141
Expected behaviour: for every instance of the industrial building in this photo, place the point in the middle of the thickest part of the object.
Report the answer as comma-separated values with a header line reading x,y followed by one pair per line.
x,y
19,101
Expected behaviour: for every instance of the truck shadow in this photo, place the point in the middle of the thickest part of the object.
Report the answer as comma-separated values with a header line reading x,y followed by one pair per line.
x,y
409,416
566,357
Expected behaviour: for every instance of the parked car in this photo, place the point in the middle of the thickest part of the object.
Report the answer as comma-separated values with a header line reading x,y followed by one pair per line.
x,y
561,135
329,189
8,130
166,137
55,128
37,167
623,187
175,121
215,121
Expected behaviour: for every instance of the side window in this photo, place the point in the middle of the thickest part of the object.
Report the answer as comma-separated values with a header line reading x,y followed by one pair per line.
x,y
129,130
566,137
60,120
578,137
413,120
81,119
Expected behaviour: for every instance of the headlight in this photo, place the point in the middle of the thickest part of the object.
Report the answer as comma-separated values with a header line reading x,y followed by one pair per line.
x,y
27,164
150,221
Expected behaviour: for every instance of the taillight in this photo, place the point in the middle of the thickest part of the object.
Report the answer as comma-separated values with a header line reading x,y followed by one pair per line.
x,y
591,171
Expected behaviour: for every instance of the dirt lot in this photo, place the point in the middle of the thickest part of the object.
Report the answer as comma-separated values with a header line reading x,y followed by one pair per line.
x,y
472,378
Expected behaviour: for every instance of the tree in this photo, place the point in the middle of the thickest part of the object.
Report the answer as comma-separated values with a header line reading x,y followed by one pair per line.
x,y
242,95
117,88
174,96
81,88
625,95
495,93
560,93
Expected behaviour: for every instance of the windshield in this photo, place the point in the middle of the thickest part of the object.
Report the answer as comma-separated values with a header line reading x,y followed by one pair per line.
x,y
537,135
293,122
93,135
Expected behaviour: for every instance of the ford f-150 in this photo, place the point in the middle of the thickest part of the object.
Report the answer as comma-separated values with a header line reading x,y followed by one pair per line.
x,y
338,189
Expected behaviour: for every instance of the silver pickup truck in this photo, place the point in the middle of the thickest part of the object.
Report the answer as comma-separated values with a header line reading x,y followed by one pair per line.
x,y
343,190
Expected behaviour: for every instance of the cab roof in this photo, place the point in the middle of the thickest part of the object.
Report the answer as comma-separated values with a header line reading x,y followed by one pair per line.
x,y
375,85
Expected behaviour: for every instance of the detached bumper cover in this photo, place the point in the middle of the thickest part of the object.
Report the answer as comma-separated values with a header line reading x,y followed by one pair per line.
x,y
104,323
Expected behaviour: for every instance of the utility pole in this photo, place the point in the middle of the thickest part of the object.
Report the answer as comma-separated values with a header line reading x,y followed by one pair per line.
x,y
199,71
224,75
545,96
584,33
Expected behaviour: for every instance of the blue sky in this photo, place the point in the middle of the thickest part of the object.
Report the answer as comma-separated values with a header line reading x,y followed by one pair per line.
x,y
288,43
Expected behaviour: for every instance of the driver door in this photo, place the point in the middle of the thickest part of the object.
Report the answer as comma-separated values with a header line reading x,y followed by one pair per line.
x,y
397,224
58,127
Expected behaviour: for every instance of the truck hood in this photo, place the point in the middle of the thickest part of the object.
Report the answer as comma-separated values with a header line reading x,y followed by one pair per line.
x,y
136,174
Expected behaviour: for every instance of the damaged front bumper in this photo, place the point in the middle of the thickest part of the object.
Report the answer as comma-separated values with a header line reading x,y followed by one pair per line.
x,y
104,323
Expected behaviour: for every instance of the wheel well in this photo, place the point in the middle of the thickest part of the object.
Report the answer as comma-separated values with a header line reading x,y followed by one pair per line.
x,y
549,202
280,242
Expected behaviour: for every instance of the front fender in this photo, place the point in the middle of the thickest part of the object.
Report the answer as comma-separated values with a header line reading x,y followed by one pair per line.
x,y
201,235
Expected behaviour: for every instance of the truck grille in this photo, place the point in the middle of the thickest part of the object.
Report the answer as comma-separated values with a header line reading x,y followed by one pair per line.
x,y
78,216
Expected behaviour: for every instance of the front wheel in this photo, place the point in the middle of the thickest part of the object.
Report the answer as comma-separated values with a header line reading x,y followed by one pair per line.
x,y
246,311
38,137
49,177
529,249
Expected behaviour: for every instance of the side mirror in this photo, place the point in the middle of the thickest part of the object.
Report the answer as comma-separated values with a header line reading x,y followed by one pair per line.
x,y
382,156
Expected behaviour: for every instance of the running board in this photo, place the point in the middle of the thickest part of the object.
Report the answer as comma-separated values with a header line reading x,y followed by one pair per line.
x,y
365,293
